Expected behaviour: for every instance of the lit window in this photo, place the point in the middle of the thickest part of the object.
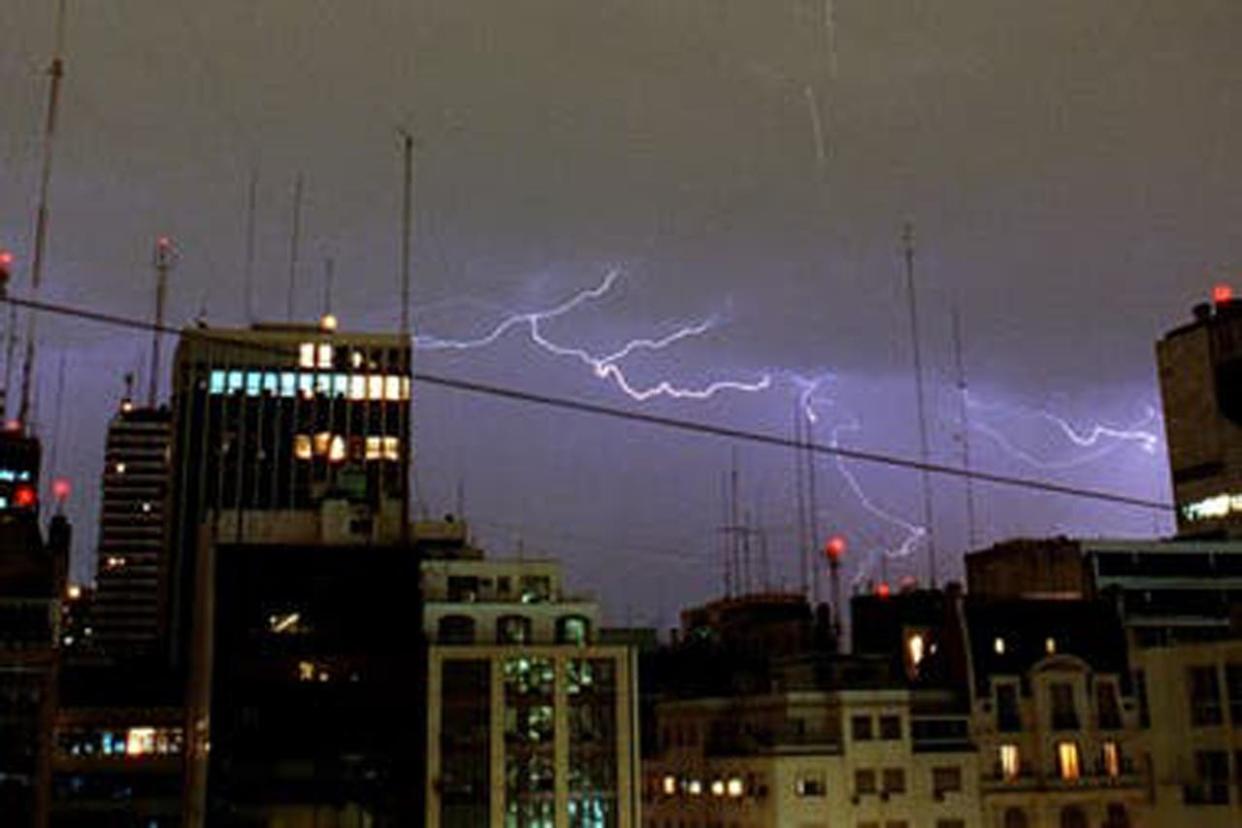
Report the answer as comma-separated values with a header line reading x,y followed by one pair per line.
x,y
392,448
1067,761
336,449
405,388
736,787
1050,646
669,783
302,446
140,741
323,383
999,646
269,383
288,384
325,355
1010,766
115,562
322,441
375,387
916,647
1112,759
216,384
357,387
285,624
306,671
340,385
119,468
146,507
356,359
392,387
235,381
254,383
75,592
695,787
809,786
718,787
306,355
306,384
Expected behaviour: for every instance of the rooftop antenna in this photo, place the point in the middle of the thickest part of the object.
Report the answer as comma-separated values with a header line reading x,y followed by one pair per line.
x,y
407,233
252,201
295,237
56,71
800,491
812,497
329,275
964,419
54,460
163,260
907,238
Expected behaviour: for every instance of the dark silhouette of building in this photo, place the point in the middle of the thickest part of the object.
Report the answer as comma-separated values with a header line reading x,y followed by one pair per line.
x,y
1201,386
132,564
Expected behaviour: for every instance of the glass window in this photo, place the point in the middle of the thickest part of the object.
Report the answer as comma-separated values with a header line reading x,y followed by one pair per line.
x,y
1015,818
1205,706
302,446
269,383
288,384
216,384
864,781
1073,816
1118,816
1068,766
1010,765
894,780
1064,713
946,779
890,727
810,784
1212,778
1111,759
1007,718
572,629
306,355
513,629
235,381
357,387
861,728
456,629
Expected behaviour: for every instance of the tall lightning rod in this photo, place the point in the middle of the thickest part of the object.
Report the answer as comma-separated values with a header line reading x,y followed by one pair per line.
x,y
295,237
163,261
964,425
907,238
57,73
812,498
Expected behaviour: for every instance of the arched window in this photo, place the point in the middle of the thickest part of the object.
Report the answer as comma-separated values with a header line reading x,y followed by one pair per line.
x,y
1073,817
1118,817
1015,818
572,629
456,629
513,629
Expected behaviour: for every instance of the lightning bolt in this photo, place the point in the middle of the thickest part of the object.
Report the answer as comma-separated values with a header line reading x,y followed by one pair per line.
x,y
912,534
1099,440
608,366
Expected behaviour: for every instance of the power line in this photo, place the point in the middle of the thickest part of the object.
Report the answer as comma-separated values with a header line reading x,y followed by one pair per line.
x,y
646,418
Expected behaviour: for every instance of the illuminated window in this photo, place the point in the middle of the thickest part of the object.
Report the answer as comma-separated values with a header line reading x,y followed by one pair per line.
x,y
357,386
306,384
1112,759
736,787
392,387
999,646
336,449
269,383
810,785
356,359
340,385
405,388
306,671
325,355
140,741
669,785
695,787
119,468
321,442
1068,765
302,446
288,384
287,623
306,355
916,649
1050,646
235,381
216,384
1009,762
254,383
375,387
323,383
718,787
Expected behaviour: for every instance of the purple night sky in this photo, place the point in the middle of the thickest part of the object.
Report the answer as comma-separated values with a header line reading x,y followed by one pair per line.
x,y
1071,170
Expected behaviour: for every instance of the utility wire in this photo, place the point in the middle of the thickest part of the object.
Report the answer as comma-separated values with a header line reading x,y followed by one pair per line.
x,y
600,410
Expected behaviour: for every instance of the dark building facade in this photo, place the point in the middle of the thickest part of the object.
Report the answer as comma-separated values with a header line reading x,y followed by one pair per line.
x,y
316,698
132,565
274,418
1201,385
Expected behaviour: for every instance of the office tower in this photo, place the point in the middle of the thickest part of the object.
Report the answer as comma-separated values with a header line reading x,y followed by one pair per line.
x,y
278,418
1201,385
132,565
529,720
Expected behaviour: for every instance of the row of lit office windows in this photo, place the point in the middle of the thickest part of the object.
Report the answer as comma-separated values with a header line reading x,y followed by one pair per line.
x,y
357,387
1069,767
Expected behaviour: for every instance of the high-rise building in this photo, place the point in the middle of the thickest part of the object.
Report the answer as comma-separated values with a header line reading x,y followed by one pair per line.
x,y
278,418
132,567
1201,385
530,721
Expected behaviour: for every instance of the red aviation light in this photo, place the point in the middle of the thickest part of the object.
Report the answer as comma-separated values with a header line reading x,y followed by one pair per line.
x,y
24,497
1222,294
61,489
834,549
883,590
